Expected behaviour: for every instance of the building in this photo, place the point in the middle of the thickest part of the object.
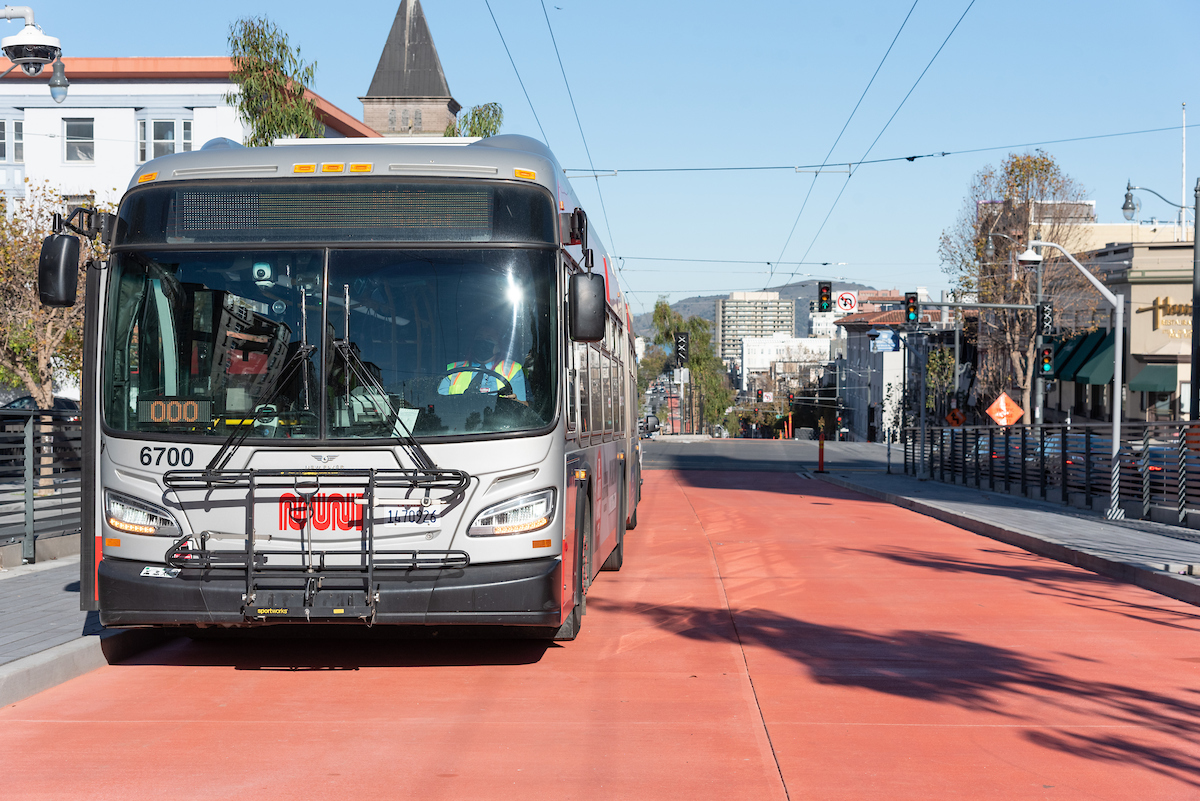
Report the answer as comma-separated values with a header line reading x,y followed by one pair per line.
x,y
750,314
118,114
1156,280
870,382
769,355
409,95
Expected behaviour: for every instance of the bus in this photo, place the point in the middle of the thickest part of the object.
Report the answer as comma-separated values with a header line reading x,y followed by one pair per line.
x,y
353,381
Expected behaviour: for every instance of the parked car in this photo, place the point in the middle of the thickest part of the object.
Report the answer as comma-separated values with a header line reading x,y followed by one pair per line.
x,y
60,440
26,403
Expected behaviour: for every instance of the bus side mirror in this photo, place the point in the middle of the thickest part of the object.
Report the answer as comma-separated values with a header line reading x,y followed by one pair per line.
x,y
652,424
58,270
586,310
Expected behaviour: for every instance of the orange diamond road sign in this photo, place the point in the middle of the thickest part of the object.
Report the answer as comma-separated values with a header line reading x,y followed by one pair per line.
x,y
956,418
1005,410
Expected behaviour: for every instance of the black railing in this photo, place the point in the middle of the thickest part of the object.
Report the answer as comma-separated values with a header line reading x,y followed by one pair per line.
x,y
40,477
1158,473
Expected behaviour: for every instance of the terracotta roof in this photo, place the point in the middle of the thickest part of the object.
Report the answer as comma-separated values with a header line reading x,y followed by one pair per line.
x,y
186,68
894,317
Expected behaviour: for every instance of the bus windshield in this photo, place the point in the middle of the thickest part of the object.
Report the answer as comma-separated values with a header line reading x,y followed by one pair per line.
x,y
331,344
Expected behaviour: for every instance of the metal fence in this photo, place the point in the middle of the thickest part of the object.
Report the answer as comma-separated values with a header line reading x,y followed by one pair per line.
x,y
1157,477
40,477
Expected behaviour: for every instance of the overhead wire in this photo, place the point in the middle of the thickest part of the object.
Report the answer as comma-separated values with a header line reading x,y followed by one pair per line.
x,y
854,111
875,141
599,192
545,138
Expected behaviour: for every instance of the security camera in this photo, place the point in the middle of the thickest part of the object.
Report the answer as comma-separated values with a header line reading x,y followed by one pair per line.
x,y
31,49
263,275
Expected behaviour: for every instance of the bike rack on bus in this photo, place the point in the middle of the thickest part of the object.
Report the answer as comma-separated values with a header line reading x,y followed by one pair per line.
x,y
425,488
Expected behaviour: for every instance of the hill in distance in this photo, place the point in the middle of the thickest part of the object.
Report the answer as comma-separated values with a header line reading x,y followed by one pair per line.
x,y
705,306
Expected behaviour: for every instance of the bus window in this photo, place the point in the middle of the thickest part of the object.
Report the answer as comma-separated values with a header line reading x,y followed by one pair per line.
x,y
597,389
571,400
608,398
621,382
585,410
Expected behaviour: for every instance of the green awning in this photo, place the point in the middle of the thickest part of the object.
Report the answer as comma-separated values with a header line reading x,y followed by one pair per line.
x,y
1099,368
1079,355
1063,352
1156,378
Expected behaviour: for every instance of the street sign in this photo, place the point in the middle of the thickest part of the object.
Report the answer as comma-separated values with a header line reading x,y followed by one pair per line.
x,y
768,397
1005,410
847,302
888,341
956,418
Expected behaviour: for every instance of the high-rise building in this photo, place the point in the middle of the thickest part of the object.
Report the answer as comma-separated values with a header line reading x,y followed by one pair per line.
x,y
750,314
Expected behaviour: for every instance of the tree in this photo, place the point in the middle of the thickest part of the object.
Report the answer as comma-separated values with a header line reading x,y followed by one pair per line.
x,y
707,371
272,82
1028,197
482,121
37,344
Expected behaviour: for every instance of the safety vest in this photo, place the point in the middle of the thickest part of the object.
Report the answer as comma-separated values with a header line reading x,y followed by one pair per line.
x,y
459,382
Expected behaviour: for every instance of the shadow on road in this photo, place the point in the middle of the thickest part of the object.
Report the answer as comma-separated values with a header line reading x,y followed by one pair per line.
x,y
942,668
1051,579
348,649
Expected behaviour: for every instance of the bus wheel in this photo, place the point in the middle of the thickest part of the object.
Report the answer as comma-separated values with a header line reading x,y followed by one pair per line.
x,y
569,629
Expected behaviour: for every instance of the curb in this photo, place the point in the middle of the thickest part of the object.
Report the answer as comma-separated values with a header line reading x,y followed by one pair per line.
x,y
37,672
1181,588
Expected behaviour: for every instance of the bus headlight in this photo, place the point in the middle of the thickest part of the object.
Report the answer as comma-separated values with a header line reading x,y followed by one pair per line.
x,y
138,517
519,515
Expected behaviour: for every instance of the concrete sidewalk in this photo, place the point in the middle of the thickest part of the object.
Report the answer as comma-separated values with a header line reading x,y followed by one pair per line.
x,y
44,638
1158,557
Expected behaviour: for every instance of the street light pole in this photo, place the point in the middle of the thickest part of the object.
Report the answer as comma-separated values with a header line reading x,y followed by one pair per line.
x,y
1194,389
1129,209
1115,512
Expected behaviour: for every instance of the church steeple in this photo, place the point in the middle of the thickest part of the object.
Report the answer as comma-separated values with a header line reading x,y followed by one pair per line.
x,y
409,95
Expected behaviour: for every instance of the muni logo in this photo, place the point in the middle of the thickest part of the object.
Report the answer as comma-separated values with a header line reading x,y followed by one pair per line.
x,y
329,512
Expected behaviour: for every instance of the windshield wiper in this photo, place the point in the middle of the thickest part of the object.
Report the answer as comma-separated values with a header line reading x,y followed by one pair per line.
x,y
376,391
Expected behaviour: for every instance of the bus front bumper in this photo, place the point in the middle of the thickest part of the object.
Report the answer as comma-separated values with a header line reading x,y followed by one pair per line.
x,y
523,593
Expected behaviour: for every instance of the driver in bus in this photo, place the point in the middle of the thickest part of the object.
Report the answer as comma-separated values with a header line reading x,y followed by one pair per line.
x,y
490,350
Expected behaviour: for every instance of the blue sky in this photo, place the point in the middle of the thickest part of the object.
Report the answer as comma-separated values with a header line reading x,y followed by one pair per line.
x,y
706,84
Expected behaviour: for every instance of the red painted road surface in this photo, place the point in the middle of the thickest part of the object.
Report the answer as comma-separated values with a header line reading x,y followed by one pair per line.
x,y
768,634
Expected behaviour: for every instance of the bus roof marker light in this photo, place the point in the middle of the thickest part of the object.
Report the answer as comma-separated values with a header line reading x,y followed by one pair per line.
x,y
530,175
304,168
361,167
333,167
150,176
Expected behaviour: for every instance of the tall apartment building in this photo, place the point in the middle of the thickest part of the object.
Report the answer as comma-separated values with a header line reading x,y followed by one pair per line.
x,y
751,314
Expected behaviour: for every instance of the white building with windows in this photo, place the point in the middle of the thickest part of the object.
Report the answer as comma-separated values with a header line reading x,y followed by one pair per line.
x,y
118,114
758,354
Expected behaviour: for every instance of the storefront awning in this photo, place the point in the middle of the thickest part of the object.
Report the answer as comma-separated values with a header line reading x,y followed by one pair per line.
x,y
1099,368
1079,355
1063,352
1156,378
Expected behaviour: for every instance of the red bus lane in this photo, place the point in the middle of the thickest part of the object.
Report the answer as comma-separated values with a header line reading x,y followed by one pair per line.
x,y
766,630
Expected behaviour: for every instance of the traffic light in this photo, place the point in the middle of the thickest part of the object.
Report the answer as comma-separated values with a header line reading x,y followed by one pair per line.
x,y
912,308
791,397
681,346
1045,319
824,296
1046,361
759,396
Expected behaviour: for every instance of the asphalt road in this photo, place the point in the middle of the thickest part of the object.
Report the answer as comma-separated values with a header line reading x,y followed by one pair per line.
x,y
769,637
